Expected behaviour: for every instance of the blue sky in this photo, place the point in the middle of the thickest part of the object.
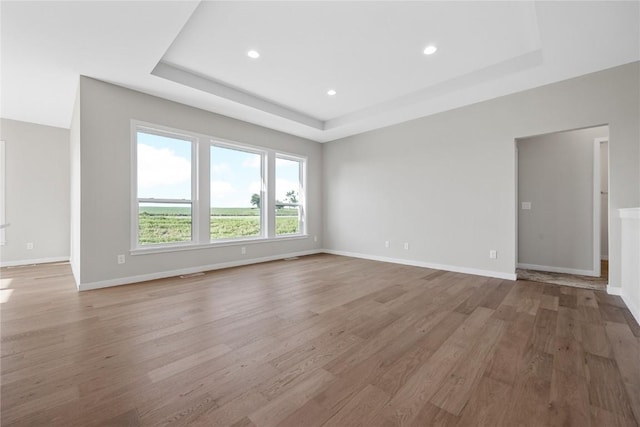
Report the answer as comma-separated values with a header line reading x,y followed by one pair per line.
x,y
164,171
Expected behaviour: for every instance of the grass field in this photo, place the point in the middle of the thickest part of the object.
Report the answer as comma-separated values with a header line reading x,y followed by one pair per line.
x,y
173,224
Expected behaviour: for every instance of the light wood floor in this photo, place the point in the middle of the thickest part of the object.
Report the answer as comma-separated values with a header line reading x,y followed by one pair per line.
x,y
323,340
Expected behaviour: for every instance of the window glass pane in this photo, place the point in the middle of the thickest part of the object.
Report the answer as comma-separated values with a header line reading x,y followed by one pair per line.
x,y
164,223
287,196
164,167
236,192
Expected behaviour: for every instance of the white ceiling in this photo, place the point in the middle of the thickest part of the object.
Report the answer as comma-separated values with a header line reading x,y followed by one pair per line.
x,y
369,52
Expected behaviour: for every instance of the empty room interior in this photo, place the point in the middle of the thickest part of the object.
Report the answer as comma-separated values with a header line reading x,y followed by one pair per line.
x,y
320,213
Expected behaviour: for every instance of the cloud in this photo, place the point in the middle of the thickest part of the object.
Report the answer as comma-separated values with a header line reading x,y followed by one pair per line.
x,y
252,162
221,189
161,167
220,169
255,187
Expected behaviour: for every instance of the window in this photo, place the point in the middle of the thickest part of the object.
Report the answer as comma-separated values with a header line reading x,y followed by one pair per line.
x,y
289,195
236,193
3,224
165,202
193,190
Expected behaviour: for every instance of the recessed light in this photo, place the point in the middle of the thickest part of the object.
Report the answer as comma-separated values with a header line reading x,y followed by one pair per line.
x,y
331,92
253,54
430,50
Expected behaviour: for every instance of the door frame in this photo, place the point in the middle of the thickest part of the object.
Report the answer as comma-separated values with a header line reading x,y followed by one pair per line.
x,y
596,271
597,214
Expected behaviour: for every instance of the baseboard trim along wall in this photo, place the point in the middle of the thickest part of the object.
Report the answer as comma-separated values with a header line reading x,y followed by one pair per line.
x,y
452,268
33,261
172,273
633,308
557,270
190,270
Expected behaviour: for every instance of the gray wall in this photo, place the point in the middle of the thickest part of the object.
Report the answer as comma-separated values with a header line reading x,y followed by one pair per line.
x,y
446,183
556,175
37,192
105,188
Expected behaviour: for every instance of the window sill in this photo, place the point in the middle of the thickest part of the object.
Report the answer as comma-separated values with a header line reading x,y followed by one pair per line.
x,y
220,244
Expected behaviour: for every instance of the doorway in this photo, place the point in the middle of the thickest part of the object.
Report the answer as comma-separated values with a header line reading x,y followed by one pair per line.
x,y
562,207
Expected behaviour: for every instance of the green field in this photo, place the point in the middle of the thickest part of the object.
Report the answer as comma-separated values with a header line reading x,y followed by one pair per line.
x,y
173,224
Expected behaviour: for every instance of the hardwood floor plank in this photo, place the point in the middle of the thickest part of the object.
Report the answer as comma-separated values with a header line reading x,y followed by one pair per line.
x,y
602,417
595,341
496,296
319,340
544,331
529,400
454,393
13,413
180,411
360,410
606,389
612,313
569,400
425,382
405,366
432,415
127,419
281,407
568,349
626,350
188,362
487,405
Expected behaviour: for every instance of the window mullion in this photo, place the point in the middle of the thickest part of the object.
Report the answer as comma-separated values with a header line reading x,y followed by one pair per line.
x,y
270,188
203,193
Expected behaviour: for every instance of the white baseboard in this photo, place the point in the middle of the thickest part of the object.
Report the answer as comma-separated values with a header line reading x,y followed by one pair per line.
x,y
452,268
557,269
190,270
633,307
33,261
614,290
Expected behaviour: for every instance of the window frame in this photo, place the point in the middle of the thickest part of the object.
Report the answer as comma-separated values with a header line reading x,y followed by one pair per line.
x,y
136,201
302,178
3,192
264,154
201,192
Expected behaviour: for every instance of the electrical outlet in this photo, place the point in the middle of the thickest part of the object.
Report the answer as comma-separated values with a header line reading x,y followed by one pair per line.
x,y
526,206
243,250
121,259
29,246
493,254
406,246
387,244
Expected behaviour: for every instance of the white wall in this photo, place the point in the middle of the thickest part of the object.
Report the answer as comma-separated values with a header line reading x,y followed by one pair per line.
x,y
556,175
105,188
74,159
446,183
630,220
604,200
37,193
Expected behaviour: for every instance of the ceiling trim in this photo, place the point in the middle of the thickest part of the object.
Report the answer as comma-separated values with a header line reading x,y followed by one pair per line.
x,y
194,80
493,72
